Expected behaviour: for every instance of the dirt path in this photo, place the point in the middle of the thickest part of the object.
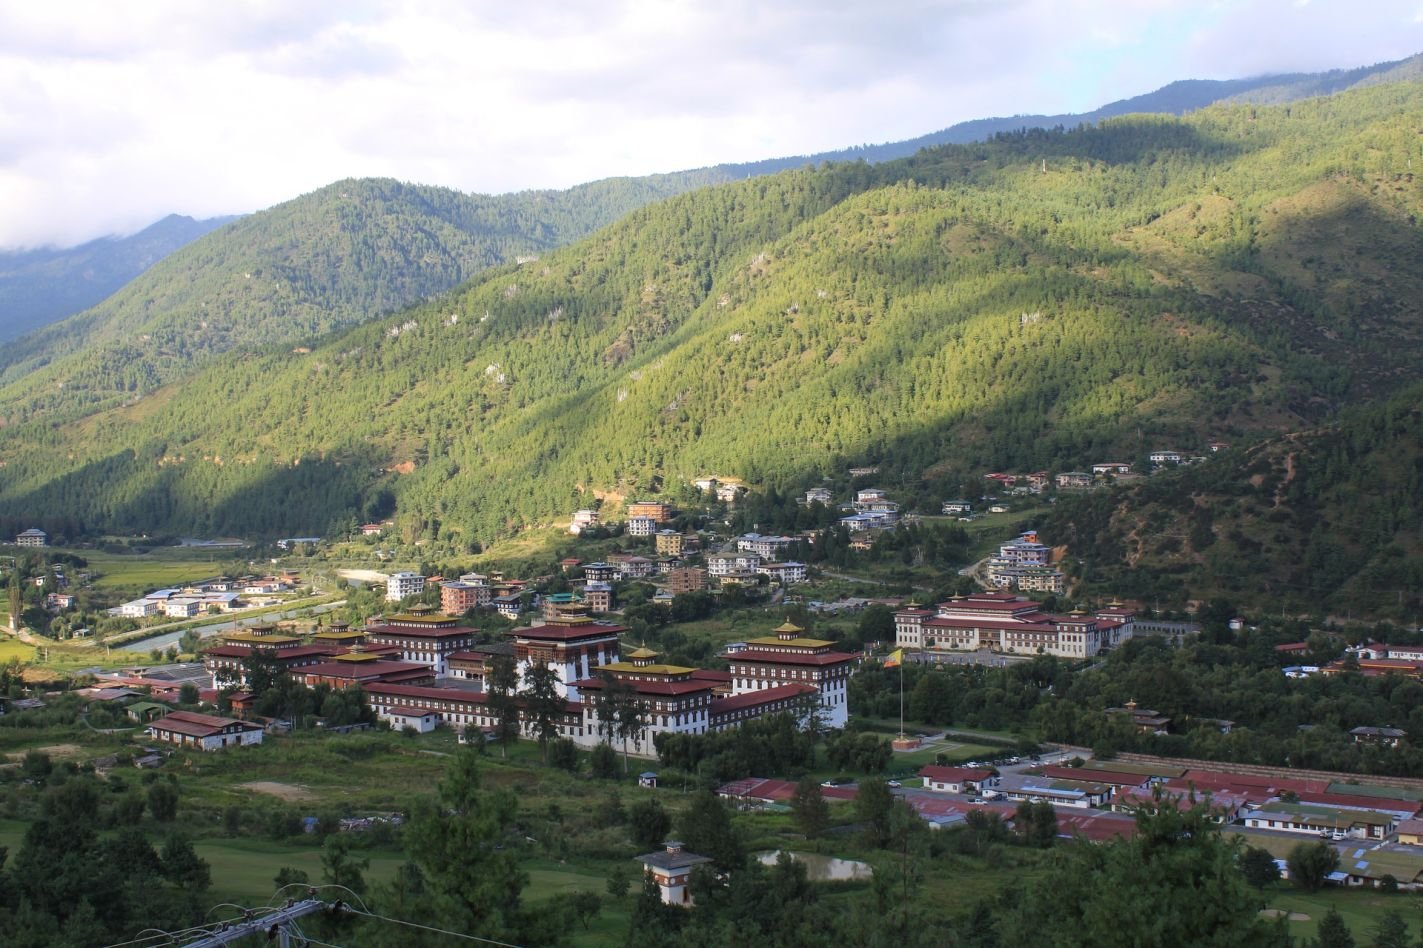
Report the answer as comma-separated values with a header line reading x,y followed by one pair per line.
x,y
289,792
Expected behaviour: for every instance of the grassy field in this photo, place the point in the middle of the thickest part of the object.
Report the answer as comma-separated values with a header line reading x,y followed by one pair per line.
x,y
1360,908
164,566
15,650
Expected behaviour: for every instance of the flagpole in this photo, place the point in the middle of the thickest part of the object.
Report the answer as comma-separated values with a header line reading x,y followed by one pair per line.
x,y
901,698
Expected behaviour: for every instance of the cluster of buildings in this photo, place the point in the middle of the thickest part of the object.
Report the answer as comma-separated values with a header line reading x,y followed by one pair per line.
x,y
220,594
1025,564
420,669
1004,623
785,671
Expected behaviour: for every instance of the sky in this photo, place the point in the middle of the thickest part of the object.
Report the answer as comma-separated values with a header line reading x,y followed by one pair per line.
x,y
115,114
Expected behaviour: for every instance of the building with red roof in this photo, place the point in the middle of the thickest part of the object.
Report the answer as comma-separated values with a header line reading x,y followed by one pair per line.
x,y
788,657
203,731
1003,622
958,779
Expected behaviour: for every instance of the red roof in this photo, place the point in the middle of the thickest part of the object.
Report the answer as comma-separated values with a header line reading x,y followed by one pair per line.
x,y
564,633
711,674
753,698
358,671
652,687
790,658
1098,776
444,694
419,632
193,724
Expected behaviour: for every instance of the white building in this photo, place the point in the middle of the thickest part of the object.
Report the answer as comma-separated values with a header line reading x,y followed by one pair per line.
x,y
400,585
137,609
582,519
32,537
784,573
203,731
724,564
641,526
768,548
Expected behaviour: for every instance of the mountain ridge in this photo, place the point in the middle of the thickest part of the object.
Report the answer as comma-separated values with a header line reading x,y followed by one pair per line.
x,y
1041,299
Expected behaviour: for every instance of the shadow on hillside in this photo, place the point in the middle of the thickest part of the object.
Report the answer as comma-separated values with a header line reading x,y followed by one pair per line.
x,y
143,492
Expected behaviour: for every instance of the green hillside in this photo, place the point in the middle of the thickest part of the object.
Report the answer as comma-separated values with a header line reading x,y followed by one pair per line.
x,y
333,258
1045,299
1325,521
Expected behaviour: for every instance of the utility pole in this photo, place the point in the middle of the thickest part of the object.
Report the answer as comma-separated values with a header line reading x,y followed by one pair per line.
x,y
273,924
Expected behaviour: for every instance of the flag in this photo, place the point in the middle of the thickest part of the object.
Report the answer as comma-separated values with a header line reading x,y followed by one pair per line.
x,y
894,658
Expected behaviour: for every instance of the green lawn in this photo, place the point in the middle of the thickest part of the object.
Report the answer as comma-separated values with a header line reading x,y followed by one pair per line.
x,y
243,869
1360,908
164,566
15,649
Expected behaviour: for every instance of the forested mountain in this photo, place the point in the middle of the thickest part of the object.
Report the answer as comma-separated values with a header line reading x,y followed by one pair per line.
x,y
42,285
333,258
358,249
1042,300
1327,520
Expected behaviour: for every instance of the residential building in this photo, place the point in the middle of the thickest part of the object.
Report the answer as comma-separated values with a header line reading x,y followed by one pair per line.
x,y
870,494
32,537
420,720
371,529
1074,480
959,507
458,597
687,579
1111,468
633,567
720,564
1160,458
705,484
657,510
203,732
400,585
729,493
137,609
508,605
598,597
181,607
670,543
783,574
818,495
641,526
671,871
768,548
602,572
1387,736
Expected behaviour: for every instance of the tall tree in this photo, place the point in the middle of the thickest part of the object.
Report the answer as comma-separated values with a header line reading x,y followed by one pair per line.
x,y
1311,863
809,809
459,843
502,703
542,703
1178,863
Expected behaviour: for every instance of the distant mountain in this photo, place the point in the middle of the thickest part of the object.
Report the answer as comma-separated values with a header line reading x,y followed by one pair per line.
x,y
1177,98
341,255
1039,301
47,284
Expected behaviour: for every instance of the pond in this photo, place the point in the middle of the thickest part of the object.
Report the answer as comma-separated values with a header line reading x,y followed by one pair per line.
x,y
821,868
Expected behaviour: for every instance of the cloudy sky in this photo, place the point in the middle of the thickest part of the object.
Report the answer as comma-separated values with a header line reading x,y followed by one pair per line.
x,y
113,114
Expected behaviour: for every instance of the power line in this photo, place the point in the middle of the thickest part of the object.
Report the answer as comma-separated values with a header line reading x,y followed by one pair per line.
x,y
438,931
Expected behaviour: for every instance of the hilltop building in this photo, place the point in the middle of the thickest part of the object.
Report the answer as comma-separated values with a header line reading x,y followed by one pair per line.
x,y
1003,622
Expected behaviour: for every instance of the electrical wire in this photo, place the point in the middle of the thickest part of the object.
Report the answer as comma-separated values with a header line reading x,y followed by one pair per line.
x,y
428,928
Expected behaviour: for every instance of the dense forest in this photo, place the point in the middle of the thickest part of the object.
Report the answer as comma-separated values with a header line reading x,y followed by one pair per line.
x,y
1318,522
286,276
1045,299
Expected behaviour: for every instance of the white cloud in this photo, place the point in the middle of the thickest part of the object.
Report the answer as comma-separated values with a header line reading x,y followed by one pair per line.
x,y
115,114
